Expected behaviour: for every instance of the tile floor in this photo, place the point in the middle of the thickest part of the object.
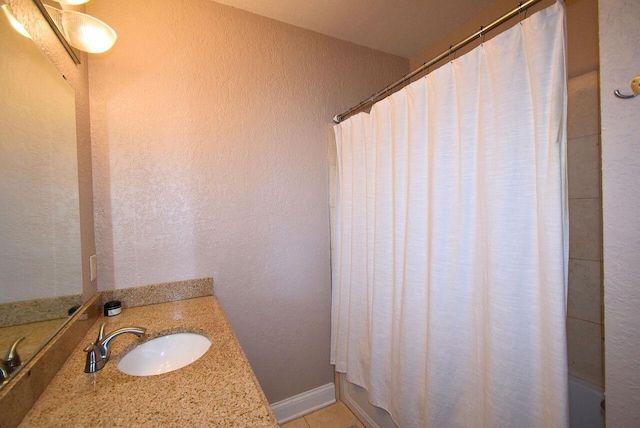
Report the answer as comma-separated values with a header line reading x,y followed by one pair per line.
x,y
335,416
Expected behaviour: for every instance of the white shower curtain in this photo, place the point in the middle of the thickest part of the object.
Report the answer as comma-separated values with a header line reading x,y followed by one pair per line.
x,y
450,262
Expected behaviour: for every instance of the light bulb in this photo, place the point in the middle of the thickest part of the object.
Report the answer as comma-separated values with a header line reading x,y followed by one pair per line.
x,y
87,33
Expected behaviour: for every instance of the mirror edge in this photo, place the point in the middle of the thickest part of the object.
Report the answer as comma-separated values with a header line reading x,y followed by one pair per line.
x,y
56,30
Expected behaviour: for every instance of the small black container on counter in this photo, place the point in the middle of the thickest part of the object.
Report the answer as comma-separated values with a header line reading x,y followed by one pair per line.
x,y
112,308
72,310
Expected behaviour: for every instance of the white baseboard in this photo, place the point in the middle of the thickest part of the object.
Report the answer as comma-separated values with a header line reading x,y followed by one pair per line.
x,y
302,404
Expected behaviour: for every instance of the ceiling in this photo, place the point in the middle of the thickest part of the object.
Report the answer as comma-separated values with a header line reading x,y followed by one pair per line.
x,y
400,27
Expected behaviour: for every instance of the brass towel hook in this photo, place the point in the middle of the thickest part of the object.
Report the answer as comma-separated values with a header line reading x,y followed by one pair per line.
x,y
635,87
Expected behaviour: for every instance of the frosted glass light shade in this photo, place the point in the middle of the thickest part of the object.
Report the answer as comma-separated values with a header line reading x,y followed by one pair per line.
x,y
55,14
87,33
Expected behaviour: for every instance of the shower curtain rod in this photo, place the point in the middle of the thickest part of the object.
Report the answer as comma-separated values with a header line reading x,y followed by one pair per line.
x,y
522,6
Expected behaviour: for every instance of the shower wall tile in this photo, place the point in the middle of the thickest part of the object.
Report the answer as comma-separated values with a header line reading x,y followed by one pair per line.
x,y
583,158
584,307
583,108
585,291
585,229
584,346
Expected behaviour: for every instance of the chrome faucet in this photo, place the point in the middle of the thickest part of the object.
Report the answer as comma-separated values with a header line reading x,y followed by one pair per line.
x,y
11,362
98,353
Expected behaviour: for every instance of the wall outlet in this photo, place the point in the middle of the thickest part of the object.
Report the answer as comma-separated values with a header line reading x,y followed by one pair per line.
x,y
93,267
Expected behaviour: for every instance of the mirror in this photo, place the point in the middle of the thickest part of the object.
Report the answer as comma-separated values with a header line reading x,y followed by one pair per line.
x,y
40,261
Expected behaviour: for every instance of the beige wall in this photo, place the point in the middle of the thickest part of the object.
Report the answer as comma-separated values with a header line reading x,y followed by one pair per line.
x,y
29,15
209,129
584,322
619,63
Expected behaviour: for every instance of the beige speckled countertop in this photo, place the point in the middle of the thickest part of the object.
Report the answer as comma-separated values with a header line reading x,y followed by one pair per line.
x,y
218,390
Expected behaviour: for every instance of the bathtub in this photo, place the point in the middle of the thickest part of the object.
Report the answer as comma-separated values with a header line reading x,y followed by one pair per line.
x,y
584,405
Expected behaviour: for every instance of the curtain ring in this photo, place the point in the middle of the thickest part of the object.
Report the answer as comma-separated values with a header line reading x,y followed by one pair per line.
x,y
426,70
481,35
520,12
452,53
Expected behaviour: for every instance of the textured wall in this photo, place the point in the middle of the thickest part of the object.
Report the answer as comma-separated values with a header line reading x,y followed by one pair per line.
x,y
27,13
209,129
619,61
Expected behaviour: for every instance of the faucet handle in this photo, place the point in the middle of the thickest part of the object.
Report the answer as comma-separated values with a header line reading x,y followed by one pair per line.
x,y
94,361
12,360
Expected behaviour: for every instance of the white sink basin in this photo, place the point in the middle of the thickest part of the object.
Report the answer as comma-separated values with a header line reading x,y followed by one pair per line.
x,y
164,354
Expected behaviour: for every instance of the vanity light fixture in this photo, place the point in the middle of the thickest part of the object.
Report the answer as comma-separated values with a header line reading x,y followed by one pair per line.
x,y
83,31
13,21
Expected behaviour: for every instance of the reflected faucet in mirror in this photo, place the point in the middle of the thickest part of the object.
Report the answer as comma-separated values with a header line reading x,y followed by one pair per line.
x,y
11,362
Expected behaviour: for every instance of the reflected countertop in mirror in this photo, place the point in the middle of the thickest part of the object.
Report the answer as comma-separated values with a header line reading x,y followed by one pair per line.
x,y
40,260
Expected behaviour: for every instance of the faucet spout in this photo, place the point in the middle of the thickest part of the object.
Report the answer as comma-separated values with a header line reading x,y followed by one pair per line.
x,y
98,353
104,343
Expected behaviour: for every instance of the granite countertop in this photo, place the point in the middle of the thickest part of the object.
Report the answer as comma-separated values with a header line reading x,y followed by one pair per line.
x,y
218,390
